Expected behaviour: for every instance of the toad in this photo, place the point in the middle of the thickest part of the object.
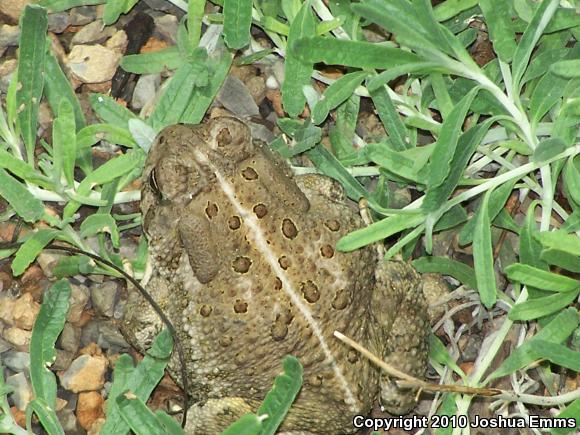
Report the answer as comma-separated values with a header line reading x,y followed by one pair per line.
x,y
244,264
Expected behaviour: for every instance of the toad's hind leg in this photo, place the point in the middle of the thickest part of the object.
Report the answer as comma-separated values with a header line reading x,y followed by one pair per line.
x,y
402,329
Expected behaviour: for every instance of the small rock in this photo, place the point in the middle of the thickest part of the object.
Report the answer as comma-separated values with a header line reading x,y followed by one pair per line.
x,y
86,373
69,423
166,28
90,332
63,360
93,63
109,335
94,32
13,8
272,83
25,310
145,90
96,427
78,299
58,22
82,15
7,309
89,408
4,345
104,297
19,338
16,361
257,87
9,36
22,392
118,42
235,97
70,338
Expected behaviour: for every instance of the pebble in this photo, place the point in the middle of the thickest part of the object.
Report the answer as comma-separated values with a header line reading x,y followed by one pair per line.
x,y
13,8
94,32
86,373
22,393
89,408
63,359
118,42
110,336
9,36
58,22
70,338
25,310
16,361
82,15
145,90
236,98
78,299
47,259
19,338
93,63
103,297
68,421
166,28
6,309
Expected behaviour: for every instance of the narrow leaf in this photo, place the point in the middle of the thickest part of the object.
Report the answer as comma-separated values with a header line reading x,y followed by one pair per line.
x,y
483,255
22,201
542,279
34,24
542,306
335,94
237,22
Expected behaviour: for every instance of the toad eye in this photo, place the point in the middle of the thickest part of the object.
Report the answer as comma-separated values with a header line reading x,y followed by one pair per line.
x,y
153,185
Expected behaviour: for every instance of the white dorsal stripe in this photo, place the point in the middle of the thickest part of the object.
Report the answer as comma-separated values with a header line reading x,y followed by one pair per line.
x,y
260,240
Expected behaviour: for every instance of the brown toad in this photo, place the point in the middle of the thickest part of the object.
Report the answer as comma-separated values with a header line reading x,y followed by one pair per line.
x,y
244,265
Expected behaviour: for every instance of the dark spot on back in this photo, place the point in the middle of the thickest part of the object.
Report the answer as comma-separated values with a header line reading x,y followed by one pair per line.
x,y
326,251
241,264
260,210
289,229
205,310
332,225
310,291
234,222
211,210
249,174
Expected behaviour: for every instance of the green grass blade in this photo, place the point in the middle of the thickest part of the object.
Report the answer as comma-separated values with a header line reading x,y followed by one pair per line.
x,y
57,87
24,203
154,62
542,306
561,259
64,148
542,279
355,54
30,77
110,111
398,136
140,419
336,94
497,200
280,397
63,5
499,22
540,20
47,327
446,266
249,424
23,170
560,240
378,231
142,380
218,64
446,145
46,415
297,71
237,22
30,249
98,223
195,12
558,330
483,255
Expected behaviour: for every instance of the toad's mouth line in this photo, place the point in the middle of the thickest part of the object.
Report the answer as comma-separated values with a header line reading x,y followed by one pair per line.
x,y
260,240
